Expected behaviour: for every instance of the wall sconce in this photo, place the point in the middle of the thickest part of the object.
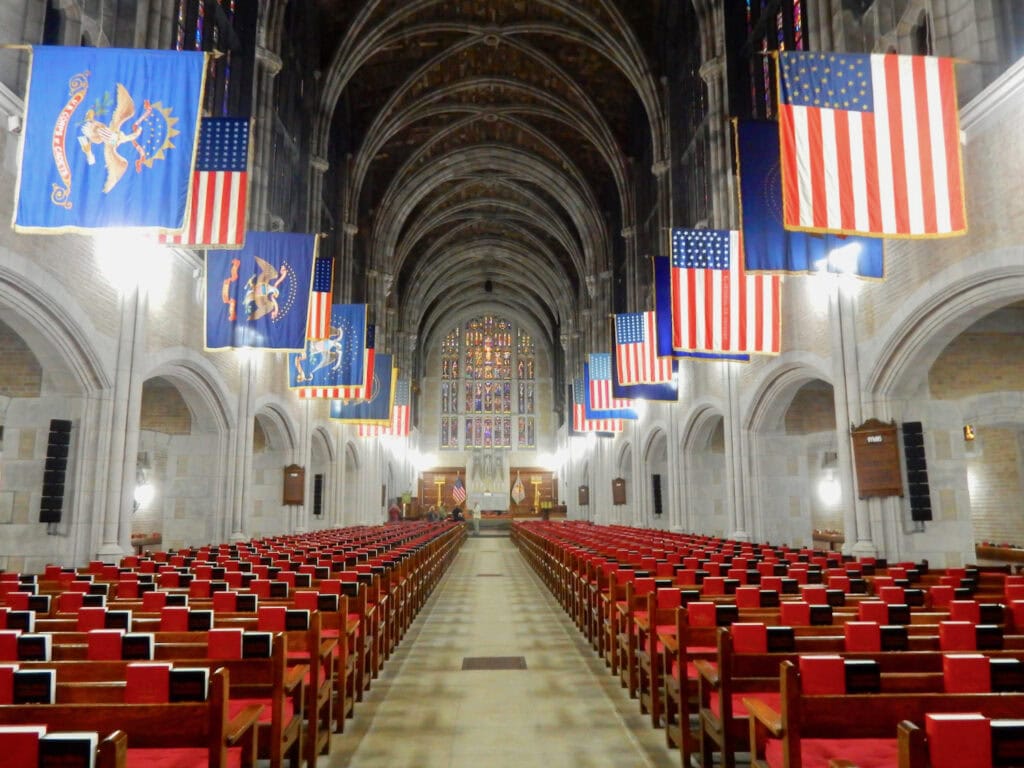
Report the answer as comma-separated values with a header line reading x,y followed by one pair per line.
x,y
968,432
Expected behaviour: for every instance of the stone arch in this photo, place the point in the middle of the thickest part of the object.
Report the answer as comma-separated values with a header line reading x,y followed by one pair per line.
x,y
654,488
191,470
926,321
704,481
784,468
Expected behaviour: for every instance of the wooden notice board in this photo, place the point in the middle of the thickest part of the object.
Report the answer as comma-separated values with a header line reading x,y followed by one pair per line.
x,y
876,459
618,491
294,485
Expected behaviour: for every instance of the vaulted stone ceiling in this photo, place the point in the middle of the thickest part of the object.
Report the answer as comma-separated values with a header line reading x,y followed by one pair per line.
x,y
489,144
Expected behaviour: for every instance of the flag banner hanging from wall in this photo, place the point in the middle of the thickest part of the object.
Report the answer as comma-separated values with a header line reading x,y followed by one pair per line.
x,y
636,350
580,423
870,144
359,391
598,375
663,316
220,187
665,392
716,305
109,140
598,392
337,360
767,246
400,412
518,490
257,297
376,410
318,326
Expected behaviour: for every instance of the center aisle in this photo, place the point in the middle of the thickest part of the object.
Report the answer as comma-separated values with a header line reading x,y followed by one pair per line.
x,y
564,709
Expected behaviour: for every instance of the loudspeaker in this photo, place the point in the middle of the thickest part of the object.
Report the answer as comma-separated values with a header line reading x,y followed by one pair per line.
x,y
917,472
51,505
318,494
656,493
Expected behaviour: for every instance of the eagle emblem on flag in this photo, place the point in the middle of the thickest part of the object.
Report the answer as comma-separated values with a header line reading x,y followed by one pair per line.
x,y
108,125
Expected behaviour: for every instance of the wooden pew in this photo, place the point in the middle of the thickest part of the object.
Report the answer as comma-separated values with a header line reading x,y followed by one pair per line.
x,y
1006,737
268,683
203,730
833,726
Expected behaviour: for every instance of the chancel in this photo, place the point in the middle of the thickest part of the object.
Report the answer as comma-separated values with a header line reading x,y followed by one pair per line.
x,y
314,313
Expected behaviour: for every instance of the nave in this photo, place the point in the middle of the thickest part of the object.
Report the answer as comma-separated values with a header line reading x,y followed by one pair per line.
x,y
564,709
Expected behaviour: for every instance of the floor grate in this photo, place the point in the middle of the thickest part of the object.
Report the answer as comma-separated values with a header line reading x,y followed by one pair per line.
x,y
493,662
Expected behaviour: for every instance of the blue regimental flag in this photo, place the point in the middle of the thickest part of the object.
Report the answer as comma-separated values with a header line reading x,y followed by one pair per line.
x,y
769,247
376,410
335,361
110,139
663,316
257,297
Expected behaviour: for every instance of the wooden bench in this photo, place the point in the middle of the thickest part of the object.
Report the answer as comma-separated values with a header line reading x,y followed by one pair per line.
x,y
918,750
811,729
203,731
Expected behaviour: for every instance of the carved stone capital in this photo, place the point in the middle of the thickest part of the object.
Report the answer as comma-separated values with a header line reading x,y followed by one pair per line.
x,y
628,232
318,163
269,60
351,229
712,70
591,282
661,167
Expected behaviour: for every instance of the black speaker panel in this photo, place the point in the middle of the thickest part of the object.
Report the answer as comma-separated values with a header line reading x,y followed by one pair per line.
x,y
917,472
318,494
656,493
51,505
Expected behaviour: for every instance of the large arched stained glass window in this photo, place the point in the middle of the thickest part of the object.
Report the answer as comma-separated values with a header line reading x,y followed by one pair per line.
x,y
488,386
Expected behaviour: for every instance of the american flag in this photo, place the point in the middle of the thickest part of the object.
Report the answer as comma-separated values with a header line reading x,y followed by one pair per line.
x,y
870,144
580,422
357,392
399,426
636,350
318,322
220,186
458,490
716,305
600,382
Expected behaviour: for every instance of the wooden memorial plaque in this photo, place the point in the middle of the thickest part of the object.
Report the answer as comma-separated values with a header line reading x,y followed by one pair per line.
x,y
583,496
876,459
294,485
618,491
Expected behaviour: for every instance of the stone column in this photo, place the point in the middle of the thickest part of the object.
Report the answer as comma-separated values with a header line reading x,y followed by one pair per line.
x,y
122,456
736,454
318,166
346,256
847,393
242,453
268,64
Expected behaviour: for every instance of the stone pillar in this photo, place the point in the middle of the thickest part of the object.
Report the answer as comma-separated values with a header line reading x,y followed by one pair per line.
x,y
346,268
122,456
268,64
242,436
633,297
847,393
736,454
318,166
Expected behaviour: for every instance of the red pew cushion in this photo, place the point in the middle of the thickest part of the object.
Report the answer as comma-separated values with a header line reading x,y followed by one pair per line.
x,y
864,753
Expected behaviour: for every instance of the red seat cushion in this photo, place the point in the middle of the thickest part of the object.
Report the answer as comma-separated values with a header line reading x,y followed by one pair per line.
x,y
864,753
177,758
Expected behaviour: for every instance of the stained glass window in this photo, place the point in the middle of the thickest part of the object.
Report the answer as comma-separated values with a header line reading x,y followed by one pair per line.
x,y
487,375
768,26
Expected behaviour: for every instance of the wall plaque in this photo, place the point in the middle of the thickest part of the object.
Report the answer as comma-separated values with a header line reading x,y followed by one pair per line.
x,y
294,485
583,496
876,459
618,491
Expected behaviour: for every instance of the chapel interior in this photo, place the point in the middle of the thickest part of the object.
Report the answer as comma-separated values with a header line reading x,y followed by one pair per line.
x,y
496,181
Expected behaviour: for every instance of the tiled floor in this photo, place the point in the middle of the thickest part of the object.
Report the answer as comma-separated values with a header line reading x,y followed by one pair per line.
x,y
564,709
